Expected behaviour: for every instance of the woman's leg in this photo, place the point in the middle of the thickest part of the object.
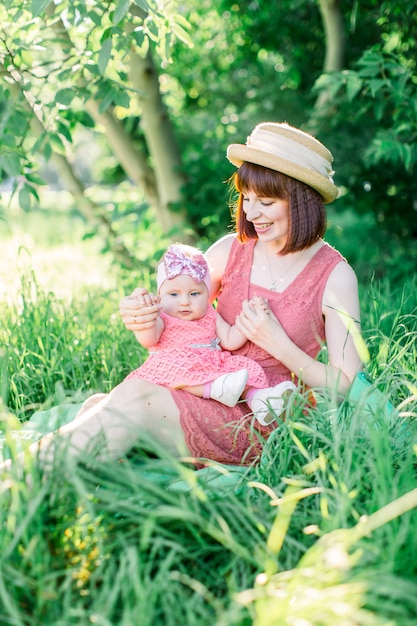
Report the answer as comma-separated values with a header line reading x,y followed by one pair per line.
x,y
133,407
111,425
90,402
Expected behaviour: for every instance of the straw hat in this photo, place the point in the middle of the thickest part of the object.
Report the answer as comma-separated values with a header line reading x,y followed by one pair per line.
x,y
293,152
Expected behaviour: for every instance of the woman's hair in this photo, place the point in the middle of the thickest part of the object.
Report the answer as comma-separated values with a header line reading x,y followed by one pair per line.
x,y
307,215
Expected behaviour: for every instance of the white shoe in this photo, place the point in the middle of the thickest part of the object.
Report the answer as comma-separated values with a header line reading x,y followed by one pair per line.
x,y
228,388
268,404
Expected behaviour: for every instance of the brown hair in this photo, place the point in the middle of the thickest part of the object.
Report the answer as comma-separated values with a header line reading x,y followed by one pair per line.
x,y
307,215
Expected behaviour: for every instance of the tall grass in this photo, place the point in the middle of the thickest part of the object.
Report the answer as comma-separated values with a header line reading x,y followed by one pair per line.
x,y
321,533
53,350
306,540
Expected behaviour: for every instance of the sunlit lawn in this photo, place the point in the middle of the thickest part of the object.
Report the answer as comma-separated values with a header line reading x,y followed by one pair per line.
x,y
50,242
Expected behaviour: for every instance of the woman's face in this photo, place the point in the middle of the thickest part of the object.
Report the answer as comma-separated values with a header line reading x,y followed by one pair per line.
x,y
182,297
269,216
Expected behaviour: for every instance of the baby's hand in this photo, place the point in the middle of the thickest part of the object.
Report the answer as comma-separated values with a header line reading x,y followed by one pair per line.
x,y
146,299
259,304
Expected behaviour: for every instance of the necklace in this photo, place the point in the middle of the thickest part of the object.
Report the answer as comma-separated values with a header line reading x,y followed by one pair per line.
x,y
273,286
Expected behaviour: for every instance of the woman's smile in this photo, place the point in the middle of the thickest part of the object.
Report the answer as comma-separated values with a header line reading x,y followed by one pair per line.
x,y
262,227
269,216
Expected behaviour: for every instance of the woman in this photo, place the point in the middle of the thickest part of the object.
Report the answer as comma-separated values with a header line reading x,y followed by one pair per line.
x,y
310,299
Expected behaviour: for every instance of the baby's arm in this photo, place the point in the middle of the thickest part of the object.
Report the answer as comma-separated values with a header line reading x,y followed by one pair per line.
x,y
148,304
230,337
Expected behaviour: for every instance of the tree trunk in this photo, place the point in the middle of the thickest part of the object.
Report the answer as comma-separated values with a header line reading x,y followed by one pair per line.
x,y
332,18
161,142
334,34
130,158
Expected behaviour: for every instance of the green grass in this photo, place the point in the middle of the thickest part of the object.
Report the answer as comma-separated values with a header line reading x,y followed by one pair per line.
x,y
321,533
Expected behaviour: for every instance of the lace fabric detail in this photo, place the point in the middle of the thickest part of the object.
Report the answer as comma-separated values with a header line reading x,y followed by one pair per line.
x,y
220,433
186,355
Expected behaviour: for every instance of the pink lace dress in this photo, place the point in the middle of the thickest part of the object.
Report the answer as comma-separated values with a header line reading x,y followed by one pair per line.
x,y
228,435
188,354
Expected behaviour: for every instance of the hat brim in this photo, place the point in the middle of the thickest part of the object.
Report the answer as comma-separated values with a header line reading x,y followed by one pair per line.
x,y
238,153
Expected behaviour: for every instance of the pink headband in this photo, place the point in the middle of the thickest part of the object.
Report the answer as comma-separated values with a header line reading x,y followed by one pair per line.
x,y
175,262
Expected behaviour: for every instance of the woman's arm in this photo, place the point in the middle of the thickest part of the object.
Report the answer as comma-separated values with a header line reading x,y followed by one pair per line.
x,y
342,328
346,347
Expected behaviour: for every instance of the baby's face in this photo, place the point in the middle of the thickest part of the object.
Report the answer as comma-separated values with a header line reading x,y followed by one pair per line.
x,y
182,297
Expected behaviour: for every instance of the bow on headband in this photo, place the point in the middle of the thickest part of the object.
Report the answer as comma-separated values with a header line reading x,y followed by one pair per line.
x,y
176,263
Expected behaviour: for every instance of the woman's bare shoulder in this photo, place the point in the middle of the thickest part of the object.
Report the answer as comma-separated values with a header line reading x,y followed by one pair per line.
x,y
221,246
218,253
342,286
217,256
343,273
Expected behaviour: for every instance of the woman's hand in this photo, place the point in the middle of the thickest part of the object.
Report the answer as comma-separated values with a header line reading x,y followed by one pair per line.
x,y
259,325
140,310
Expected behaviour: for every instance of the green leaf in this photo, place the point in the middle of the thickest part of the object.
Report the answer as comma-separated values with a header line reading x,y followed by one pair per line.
x,y
406,151
143,47
331,83
180,19
379,109
38,145
8,140
108,99
62,76
152,30
17,123
370,70
65,96
25,198
122,99
47,151
56,143
10,163
375,84
164,47
181,34
34,178
38,7
64,131
85,119
120,11
94,17
104,55
353,85
106,96
32,191
93,69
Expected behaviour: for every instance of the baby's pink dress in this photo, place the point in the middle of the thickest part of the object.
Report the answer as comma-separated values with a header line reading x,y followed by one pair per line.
x,y
229,435
188,354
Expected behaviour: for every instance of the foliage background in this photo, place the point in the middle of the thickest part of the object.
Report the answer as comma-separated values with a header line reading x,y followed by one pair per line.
x,y
154,92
